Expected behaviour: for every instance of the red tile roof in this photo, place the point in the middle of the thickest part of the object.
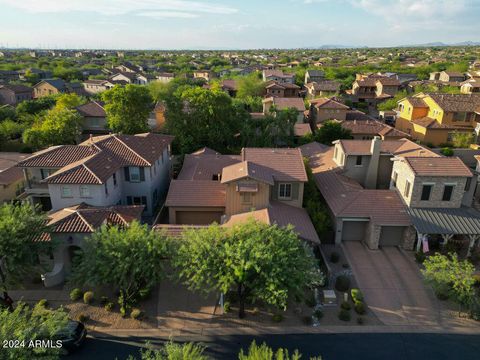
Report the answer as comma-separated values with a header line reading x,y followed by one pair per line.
x,y
327,103
246,169
438,166
95,160
196,193
281,214
83,218
92,109
285,164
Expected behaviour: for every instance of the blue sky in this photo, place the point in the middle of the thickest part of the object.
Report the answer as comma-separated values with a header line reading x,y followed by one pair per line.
x,y
229,24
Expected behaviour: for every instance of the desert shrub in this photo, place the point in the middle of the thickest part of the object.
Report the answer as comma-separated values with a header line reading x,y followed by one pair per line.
x,y
88,297
334,257
83,318
342,283
345,305
76,294
344,315
109,306
277,318
360,308
357,295
446,151
136,314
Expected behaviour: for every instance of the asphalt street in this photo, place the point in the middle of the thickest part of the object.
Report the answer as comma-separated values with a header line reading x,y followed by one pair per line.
x,y
402,346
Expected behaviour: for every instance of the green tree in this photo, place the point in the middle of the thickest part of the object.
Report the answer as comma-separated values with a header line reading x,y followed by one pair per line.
x,y
250,86
448,274
200,117
258,261
132,259
173,351
391,104
264,352
25,324
128,108
331,131
35,106
58,126
20,225
69,101
462,139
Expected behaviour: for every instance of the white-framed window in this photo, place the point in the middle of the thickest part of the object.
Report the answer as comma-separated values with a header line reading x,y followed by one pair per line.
x,y
84,191
285,191
66,191
134,174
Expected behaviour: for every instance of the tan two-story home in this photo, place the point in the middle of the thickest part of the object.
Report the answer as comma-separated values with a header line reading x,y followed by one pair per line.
x,y
265,183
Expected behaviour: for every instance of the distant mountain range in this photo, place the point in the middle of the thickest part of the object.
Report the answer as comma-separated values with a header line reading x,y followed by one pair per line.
x,y
430,44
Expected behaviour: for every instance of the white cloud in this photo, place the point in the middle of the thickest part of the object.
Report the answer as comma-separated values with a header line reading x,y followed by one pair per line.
x,y
121,7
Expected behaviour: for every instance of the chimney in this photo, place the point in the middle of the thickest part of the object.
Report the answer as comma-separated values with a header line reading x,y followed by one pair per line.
x,y
372,171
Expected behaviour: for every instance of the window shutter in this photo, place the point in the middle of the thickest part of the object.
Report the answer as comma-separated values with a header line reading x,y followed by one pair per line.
x,y
295,187
142,174
129,200
127,173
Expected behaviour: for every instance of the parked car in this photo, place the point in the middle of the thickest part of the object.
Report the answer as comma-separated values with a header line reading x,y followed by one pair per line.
x,y
72,337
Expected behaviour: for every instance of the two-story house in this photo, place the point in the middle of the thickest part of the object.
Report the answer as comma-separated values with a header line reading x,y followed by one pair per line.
x,y
373,88
94,118
325,88
314,76
14,94
447,76
97,86
324,109
434,118
278,75
207,75
11,177
102,171
279,103
470,86
283,90
48,87
438,192
394,193
264,183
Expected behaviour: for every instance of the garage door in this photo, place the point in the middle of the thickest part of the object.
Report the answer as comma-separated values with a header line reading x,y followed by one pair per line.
x,y
198,217
391,235
354,230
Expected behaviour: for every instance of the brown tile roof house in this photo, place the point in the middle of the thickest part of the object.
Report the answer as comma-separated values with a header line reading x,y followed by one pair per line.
x,y
327,103
95,160
206,176
92,109
438,166
83,218
326,85
286,103
281,215
403,147
372,128
457,102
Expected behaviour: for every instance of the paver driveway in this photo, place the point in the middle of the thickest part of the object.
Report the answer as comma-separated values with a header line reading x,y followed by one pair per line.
x,y
392,285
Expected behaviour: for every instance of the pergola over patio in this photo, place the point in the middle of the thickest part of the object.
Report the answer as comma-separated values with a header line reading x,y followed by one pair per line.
x,y
446,222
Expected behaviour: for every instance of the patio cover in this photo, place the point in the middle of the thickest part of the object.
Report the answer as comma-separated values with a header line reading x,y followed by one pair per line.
x,y
445,221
